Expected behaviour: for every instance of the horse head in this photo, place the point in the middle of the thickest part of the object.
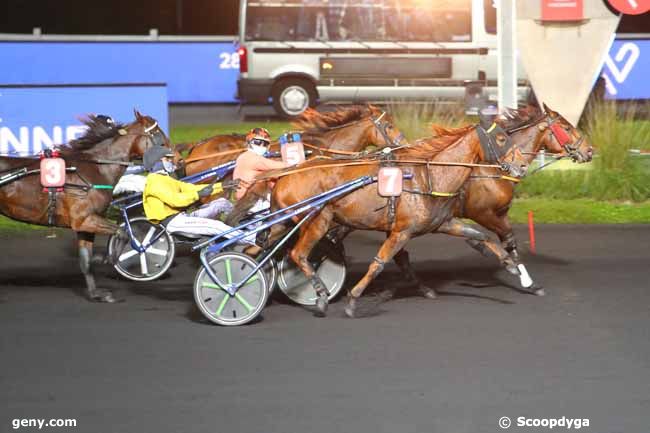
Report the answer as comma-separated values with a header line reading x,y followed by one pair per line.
x,y
381,131
147,132
563,138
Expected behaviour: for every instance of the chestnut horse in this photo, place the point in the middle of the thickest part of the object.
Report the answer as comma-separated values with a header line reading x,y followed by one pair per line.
x,y
487,196
348,129
416,211
98,160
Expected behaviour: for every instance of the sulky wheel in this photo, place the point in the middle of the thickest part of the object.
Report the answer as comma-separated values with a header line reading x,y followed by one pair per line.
x,y
150,264
330,269
219,306
270,269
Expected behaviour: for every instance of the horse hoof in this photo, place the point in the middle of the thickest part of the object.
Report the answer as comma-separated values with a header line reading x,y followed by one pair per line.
x,y
428,293
103,297
351,309
538,291
321,306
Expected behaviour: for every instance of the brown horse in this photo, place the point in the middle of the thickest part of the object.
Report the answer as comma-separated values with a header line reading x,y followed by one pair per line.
x,y
487,196
95,162
348,129
416,212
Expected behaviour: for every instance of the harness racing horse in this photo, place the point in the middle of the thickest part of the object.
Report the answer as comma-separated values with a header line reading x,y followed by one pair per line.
x,y
439,169
344,131
487,195
94,163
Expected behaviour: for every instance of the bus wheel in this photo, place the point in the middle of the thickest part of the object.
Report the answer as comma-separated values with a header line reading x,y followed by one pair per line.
x,y
292,96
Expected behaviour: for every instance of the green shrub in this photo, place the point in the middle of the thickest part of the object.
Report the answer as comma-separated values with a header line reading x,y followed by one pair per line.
x,y
414,119
617,174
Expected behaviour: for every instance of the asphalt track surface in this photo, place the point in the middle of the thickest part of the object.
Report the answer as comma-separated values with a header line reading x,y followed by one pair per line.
x,y
453,365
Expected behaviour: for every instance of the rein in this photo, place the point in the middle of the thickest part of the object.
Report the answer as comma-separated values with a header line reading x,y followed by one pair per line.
x,y
372,162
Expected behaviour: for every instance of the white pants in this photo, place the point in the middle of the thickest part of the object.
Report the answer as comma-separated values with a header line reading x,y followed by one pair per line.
x,y
202,221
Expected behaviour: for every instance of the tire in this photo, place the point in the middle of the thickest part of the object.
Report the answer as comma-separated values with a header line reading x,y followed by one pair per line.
x,y
292,96
147,266
331,270
217,305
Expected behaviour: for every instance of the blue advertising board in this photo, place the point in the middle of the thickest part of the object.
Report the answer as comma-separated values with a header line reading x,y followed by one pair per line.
x,y
35,117
195,72
627,68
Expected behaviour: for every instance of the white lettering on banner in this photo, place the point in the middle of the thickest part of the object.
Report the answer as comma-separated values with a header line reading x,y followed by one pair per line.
x,y
10,144
29,144
229,61
73,132
620,74
42,140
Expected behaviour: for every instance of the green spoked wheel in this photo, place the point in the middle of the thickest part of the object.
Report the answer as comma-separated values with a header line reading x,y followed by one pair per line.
x,y
330,268
150,264
219,306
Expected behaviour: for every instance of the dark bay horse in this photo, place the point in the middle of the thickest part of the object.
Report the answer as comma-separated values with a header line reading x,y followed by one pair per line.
x,y
348,129
416,212
487,196
99,157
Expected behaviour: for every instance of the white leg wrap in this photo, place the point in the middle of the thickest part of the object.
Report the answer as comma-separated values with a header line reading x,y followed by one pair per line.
x,y
524,277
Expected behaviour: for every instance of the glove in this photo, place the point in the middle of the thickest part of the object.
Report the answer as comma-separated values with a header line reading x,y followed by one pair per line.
x,y
205,192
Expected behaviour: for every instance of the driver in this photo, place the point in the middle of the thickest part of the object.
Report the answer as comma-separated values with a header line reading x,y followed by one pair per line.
x,y
166,199
252,162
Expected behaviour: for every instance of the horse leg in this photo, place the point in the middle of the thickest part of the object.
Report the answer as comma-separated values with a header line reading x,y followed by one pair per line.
x,y
310,234
499,223
509,244
482,242
85,241
394,243
404,263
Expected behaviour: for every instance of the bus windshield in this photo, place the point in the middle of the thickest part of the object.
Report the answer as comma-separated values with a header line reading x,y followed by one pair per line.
x,y
359,20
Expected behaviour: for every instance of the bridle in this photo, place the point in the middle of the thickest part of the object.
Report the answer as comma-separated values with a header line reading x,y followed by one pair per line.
x,y
382,127
558,133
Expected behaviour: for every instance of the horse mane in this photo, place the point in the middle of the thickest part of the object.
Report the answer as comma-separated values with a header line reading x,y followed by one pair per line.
x,y
442,139
98,130
512,118
316,122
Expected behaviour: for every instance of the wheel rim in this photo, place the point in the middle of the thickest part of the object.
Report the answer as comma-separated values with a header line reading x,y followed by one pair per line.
x,y
294,100
150,264
219,306
293,283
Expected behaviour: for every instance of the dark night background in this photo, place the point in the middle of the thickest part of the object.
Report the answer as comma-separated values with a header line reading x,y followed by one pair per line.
x,y
136,17
114,17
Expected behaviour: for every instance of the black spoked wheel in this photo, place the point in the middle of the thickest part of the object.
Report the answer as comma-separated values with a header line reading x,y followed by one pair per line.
x,y
330,268
213,299
150,264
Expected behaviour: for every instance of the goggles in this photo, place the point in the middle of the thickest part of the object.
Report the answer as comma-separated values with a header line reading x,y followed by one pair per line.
x,y
259,142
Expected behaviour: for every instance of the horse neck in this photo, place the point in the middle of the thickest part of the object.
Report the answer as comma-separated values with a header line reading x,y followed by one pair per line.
x,y
466,149
349,137
529,141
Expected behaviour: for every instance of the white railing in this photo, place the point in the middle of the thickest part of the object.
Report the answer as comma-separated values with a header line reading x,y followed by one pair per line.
x,y
153,36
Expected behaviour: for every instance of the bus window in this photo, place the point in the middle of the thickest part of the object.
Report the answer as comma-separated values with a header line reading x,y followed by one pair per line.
x,y
490,8
354,20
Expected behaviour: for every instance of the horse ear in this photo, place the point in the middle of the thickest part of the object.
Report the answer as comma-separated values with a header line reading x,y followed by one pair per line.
x,y
546,109
137,114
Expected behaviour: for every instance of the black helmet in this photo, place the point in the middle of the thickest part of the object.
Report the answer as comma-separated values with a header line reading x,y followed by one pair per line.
x,y
155,154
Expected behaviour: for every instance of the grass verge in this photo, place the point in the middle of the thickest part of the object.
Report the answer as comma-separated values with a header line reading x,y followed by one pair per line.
x,y
579,211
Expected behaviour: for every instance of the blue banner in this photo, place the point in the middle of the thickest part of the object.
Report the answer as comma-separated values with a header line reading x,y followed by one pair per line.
x,y
33,118
195,72
626,70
